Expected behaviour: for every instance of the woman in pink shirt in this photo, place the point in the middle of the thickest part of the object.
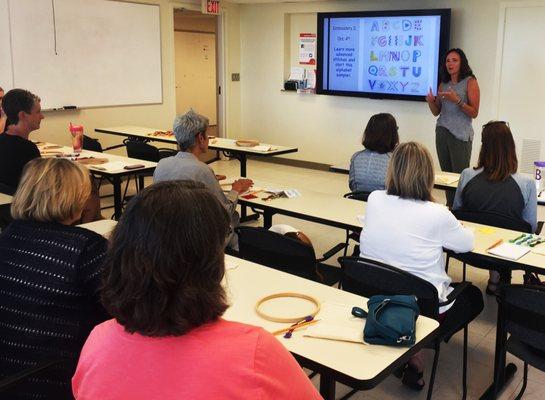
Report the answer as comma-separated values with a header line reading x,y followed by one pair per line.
x,y
162,284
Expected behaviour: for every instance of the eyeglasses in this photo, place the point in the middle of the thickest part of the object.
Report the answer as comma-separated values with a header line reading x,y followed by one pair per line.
x,y
496,122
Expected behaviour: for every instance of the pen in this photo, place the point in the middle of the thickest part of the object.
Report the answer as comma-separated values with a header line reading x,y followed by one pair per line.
x,y
495,244
293,328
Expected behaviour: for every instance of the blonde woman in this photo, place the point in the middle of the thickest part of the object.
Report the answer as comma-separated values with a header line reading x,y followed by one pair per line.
x,y
405,228
49,275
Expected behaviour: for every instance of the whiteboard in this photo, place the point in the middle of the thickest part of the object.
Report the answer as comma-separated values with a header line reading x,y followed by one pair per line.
x,y
522,80
84,53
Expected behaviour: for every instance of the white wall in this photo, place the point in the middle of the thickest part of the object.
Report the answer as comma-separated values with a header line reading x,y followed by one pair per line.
x,y
327,129
55,126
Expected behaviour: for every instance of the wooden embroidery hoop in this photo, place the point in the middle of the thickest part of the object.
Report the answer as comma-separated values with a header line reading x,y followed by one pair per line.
x,y
272,318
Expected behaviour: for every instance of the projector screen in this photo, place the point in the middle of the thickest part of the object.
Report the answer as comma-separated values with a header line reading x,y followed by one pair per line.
x,y
381,54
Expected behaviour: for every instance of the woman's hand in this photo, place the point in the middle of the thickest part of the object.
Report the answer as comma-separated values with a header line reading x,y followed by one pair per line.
x,y
430,98
450,95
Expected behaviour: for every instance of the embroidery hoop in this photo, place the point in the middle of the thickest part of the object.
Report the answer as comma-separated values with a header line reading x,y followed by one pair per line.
x,y
272,318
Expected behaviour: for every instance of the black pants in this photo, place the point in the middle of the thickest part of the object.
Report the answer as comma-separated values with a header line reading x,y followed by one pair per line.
x,y
453,154
468,305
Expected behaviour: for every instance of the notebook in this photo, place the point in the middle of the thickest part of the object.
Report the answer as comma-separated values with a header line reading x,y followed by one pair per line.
x,y
509,251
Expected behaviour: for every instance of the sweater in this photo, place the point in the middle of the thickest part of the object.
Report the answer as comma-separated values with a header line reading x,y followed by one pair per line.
x,y
49,279
218,360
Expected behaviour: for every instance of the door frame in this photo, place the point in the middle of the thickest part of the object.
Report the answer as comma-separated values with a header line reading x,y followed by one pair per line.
x,y
221,55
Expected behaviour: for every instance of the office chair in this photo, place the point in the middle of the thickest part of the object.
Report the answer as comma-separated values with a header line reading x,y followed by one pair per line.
x,y
286,254
521,314
19,378
361,196
367,278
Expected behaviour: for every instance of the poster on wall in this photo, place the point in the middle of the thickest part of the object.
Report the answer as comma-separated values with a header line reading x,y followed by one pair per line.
x,y
307,48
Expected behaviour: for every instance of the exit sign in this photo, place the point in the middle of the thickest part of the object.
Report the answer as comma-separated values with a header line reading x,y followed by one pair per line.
x,y
211,7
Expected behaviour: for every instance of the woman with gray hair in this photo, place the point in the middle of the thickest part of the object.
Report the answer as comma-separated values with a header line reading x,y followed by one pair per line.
x,y
190,132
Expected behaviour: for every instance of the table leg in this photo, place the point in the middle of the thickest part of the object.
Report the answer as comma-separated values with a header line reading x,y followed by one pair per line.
x,y
140,183
267,219
502,373
116,183
244,216
327,387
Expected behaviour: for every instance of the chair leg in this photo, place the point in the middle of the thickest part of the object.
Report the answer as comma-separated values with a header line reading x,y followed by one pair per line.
x,y
433,370
346,242
464,368
446,263
524,382
464,272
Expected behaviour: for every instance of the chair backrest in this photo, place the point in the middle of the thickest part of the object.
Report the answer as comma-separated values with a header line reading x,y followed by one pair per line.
x,y
362,196
493,219
277,251
91,144
522,310
141,150
367,278
6,189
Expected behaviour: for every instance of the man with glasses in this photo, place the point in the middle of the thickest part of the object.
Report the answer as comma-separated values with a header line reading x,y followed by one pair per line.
x,y
24,115
190,132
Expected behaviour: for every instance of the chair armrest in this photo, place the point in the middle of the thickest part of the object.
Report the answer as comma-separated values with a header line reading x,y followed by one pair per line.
x,y
330,253
452,295
114,147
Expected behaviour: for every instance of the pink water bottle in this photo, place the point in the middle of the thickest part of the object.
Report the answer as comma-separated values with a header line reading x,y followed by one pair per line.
x,y
77,137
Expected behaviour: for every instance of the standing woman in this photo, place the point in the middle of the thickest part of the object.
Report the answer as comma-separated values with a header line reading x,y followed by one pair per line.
x,y
457,103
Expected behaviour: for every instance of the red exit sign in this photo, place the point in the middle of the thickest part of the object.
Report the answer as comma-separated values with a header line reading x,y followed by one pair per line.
x,y
211,7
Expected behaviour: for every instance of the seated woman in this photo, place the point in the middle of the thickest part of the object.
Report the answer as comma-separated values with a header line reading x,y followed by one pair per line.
x,y
494,185
50,274
162,285
405,228
368,166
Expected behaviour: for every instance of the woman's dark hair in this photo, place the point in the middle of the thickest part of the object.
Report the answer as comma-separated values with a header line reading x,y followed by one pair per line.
x,y
165,262
380,134
465,69
498,156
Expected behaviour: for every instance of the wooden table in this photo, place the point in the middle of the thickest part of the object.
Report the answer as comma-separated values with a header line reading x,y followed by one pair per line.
x,y
357,365
113,175
5,199
227,146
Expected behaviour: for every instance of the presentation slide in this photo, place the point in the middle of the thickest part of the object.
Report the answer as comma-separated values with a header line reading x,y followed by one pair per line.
x,y
394,55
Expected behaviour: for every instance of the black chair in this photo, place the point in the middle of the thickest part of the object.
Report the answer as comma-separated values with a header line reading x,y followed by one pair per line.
x,y
521,313
145,151
19,378
361,196
368,278
286,254
491,219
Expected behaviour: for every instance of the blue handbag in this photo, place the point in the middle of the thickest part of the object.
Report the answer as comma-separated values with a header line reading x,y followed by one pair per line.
x,y
391,320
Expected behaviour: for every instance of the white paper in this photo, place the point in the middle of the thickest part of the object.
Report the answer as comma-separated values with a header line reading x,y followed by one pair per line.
x,y
297,74
337,323
509,251
446,179
263,147
112,166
